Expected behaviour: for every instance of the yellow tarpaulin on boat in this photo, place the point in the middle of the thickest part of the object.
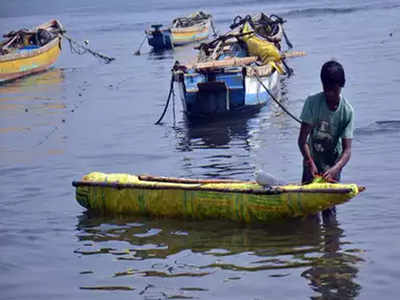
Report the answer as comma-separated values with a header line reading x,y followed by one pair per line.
x,y
266,51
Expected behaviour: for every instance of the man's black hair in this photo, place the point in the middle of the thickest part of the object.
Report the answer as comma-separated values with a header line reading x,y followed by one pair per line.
x,y
332,73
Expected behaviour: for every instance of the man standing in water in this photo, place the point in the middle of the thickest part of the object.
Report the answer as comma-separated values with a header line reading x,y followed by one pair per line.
x,y
326,130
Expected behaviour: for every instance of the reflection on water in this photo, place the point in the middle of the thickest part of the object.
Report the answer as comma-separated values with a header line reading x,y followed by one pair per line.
x,y
160,55
217,134
146,249
35,83
216,149
30,107
334,274
37,92
227,147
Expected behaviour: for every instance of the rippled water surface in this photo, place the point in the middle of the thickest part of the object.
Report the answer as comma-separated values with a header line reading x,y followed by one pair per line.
x,y
84,115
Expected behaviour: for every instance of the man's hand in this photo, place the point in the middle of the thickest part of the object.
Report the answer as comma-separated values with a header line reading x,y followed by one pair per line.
x,y
331,174
312,167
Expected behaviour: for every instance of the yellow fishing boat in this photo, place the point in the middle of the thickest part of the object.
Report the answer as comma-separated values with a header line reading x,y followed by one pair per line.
x,y
26,51
196,27
243,201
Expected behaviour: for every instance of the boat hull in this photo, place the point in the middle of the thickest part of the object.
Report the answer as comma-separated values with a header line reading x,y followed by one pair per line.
x,y
245,202
24,58
160,39
17,65
230,92
187,35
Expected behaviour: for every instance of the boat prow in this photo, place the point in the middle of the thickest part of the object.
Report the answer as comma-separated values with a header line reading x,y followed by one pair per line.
x,y
242,201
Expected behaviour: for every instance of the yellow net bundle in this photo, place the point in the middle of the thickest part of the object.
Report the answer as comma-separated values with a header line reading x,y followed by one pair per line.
x,y
266,51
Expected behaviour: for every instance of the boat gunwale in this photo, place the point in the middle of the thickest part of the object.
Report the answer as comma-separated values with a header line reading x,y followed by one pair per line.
x,y
196,28
200,187
31,53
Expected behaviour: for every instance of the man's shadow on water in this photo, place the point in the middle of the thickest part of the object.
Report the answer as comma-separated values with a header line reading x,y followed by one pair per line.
x,y
333,274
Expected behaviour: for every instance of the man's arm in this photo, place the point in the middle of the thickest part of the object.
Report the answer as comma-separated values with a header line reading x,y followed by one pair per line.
x,y
305,149
332,172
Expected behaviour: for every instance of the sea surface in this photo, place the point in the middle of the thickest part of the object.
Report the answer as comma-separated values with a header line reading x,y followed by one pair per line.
x,y
84,115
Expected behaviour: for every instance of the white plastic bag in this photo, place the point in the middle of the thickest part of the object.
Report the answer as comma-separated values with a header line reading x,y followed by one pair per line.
x,y
266,179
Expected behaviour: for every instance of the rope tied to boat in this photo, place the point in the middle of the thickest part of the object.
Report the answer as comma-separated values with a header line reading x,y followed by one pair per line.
x,y
137,52
81,49
171,93
273,97
213,28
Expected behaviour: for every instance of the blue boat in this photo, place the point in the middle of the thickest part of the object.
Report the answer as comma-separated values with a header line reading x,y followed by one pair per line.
x,y
159,38
238,72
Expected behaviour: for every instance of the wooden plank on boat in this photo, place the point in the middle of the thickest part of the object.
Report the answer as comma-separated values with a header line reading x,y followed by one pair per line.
x,y
229,62
238,61
185,180
293,54
188,187
200,187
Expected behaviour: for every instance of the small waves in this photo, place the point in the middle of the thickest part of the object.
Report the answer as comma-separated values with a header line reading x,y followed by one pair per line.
x,y
378,127
194,249
320,11
139,26
313,12
309,12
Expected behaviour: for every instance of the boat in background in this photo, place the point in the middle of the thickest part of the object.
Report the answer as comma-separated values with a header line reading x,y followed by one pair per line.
x,y
184,30
196,27
242,201
159,38
237,72
25,52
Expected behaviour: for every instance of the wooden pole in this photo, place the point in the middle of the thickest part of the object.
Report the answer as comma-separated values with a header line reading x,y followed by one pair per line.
x,y
229,62
185,180
199,187
293,54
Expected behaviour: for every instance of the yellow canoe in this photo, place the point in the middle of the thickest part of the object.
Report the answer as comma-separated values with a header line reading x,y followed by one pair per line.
x,y
30,51
243,201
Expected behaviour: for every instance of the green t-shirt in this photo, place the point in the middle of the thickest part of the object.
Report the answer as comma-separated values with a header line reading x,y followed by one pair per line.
x,y
328,129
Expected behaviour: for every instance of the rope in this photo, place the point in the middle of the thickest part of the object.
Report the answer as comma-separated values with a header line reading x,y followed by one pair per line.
x,y
287,39
171,92
213,28
273,98
141,44
81,49
173,106
289,70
